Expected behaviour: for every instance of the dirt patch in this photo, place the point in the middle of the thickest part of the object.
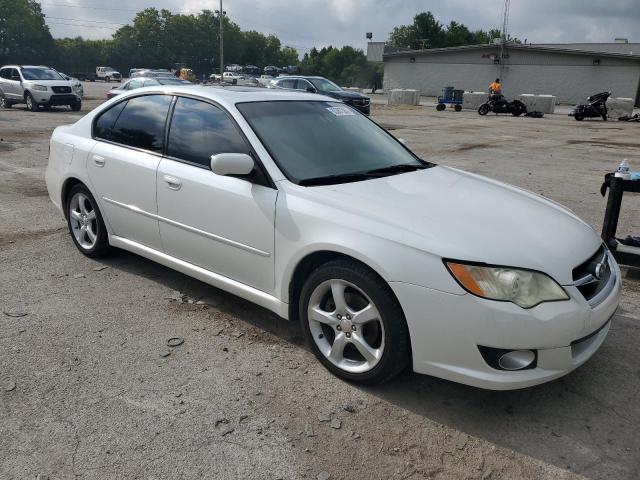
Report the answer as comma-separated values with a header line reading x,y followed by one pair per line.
x,y
472,146
25,187
604,143
7,238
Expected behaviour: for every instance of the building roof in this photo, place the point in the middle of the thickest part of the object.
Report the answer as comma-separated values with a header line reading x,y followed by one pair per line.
x,y
569,49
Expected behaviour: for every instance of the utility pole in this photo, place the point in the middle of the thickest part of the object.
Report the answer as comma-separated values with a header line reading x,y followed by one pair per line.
x,y
221,14
505,35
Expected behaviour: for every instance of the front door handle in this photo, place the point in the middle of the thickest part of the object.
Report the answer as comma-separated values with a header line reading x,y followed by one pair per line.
x,y
172,182
98,160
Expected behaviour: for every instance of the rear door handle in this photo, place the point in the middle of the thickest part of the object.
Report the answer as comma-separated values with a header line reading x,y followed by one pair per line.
x,y
172,182
98,160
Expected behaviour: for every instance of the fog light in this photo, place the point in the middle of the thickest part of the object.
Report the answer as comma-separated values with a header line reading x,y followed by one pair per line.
x,y
516,359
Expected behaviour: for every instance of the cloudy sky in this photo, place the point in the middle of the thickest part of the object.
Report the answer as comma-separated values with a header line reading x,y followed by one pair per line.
x,y
305,23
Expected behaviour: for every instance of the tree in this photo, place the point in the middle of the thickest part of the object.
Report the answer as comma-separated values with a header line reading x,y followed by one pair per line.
x,y
427,32
24,35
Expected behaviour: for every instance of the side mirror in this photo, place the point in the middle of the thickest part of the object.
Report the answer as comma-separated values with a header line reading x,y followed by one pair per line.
x,y
311,90
232,164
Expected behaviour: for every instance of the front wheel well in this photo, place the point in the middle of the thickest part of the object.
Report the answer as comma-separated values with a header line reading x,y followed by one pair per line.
x,y
68,184
306,266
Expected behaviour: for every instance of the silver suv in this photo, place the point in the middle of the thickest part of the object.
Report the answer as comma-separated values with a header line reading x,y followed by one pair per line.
x,y
37,86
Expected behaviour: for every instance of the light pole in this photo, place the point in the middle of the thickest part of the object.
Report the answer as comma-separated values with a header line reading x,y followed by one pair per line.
x,y
221,13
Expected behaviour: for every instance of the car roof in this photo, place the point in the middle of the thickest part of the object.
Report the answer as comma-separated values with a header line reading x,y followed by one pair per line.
x,y
299,76
26,66
230,95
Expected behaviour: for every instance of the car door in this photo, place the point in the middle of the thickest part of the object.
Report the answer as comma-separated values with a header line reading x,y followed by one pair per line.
x,y
13,89
123,163
220,223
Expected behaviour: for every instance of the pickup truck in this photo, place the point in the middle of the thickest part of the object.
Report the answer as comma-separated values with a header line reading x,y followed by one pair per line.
x,y
107,74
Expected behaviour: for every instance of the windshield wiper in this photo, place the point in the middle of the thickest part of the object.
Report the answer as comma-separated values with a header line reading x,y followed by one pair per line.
x,y
390,170
334,179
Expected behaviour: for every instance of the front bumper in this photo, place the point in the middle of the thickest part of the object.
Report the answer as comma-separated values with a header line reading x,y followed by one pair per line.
x,y
49,98
447,329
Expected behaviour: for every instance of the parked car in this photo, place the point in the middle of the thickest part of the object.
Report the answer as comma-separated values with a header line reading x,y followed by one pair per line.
x,y
85,76
107,74
325,87
387,260
136,83
151,73
36,86
77,84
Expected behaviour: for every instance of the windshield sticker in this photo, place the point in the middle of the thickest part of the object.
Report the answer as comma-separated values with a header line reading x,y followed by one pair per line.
x,y
340,111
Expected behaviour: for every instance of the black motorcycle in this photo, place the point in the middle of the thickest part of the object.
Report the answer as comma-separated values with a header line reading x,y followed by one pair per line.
x,y
597,107
498,104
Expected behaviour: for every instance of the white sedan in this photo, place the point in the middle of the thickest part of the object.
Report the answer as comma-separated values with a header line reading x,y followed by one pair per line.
x,y
304,206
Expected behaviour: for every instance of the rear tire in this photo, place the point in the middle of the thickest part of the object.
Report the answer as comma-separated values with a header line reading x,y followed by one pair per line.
x,y
85,223
604,117
32,105
107,79
578,117
368,319
484,109
458,108
5,103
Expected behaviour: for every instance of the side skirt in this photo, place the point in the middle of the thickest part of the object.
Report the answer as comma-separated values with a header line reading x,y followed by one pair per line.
x,y
219,281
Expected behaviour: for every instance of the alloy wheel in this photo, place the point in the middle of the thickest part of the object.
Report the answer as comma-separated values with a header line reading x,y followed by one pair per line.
x,y
83,221
346,326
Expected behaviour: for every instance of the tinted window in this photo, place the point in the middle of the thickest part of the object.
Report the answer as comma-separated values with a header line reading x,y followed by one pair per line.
x,y
199,130
106,121
4,73
286,83
15,75
141,123
302,85
133,84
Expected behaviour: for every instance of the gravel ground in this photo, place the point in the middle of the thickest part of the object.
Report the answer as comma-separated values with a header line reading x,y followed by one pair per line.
x,y
90,389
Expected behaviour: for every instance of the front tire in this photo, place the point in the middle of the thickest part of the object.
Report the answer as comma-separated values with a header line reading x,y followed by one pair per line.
x,y
440,107
85,223
484,109
5,103
353,323
578,117
32,105
76,107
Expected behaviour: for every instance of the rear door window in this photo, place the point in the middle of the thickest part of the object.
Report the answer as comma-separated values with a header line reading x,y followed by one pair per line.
x,y
199,130
289,83
139,124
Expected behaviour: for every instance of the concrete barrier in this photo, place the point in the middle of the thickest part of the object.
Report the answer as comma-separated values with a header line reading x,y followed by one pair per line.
x,y
619,107
473,100
529,100
545,103
538,103
404,97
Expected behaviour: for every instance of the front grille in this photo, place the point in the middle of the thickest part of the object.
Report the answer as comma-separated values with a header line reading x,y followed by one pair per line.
x,y
592,276
62,99
361,102
61,89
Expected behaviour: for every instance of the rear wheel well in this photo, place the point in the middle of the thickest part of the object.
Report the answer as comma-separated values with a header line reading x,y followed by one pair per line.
x,y
306,266
68,184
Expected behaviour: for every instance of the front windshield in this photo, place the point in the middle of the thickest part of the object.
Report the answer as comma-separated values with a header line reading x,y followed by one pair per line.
x,y
324,85
315,140
41,74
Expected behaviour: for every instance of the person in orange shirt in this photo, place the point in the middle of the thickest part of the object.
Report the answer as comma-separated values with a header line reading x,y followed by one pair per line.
x,y
496,87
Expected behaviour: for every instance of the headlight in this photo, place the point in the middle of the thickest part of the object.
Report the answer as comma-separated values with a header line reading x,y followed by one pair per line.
x,y
525,288
40,88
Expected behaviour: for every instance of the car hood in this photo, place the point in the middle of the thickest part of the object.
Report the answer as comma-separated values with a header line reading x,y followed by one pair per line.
x,y
53,83
462,216
344,94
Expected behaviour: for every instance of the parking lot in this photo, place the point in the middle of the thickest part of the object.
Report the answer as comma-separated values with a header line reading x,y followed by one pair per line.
x,y
90,389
